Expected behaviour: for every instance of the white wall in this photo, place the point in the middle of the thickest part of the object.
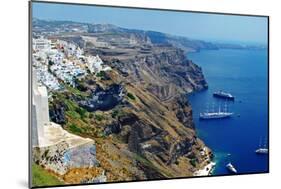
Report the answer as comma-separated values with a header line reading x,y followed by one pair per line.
x,y
14,88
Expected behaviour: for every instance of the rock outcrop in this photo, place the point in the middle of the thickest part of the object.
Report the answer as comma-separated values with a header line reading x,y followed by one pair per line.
x,y
103,99
56,112
62,151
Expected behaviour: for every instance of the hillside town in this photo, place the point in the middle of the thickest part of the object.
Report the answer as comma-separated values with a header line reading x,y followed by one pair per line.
x,y
57,61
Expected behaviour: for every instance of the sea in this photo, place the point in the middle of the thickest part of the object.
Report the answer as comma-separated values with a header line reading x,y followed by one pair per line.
x,y
243,73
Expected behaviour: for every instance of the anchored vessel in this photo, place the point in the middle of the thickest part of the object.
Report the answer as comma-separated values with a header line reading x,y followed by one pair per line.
x,y
216,115
225,95
262,149
231,168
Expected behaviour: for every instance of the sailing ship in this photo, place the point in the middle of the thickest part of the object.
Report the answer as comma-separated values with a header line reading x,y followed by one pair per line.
x,y
216,115
262,148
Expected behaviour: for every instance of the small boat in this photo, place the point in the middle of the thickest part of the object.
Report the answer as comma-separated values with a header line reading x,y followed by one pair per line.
x,y
262,149
231,168
225,95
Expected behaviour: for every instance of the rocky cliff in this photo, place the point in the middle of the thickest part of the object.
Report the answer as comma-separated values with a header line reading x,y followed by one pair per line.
x,y
140,118
138,113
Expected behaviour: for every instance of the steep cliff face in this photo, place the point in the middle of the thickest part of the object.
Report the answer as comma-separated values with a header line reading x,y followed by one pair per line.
x,y
165,71
148,131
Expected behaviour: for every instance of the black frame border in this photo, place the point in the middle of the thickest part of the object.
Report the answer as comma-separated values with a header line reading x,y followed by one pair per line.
x,y
143,8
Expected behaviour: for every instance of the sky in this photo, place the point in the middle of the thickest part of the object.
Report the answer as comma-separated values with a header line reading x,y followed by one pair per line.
x,y
204,26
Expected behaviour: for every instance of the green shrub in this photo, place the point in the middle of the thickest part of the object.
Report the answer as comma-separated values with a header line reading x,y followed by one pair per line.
x,y
117,112
91,116
131,96
114,113
74,129
193,162
82,112
100,74
99,117
73,114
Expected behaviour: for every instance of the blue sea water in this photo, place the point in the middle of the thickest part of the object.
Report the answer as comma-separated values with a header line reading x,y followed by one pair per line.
x,y
243,73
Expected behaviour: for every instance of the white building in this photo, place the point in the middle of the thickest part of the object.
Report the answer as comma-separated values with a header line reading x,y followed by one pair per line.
x,y
40,111
41,44
40,56
46,78
70,49
95,64
79,52
57,57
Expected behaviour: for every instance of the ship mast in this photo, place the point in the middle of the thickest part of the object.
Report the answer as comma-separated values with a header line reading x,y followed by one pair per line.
x,y
260,144
265,143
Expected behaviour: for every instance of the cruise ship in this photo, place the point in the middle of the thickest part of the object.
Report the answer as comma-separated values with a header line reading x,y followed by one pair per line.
x,y
225,95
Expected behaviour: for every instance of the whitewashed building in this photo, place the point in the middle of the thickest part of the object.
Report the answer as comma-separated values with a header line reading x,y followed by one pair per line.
x,y
95,64
57,57
41,44
40,111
